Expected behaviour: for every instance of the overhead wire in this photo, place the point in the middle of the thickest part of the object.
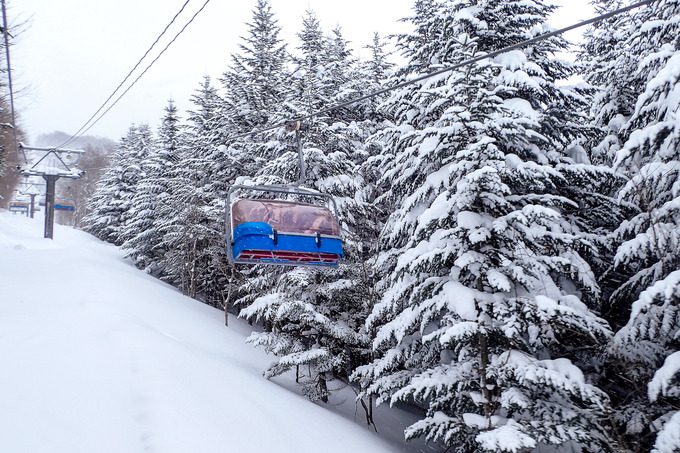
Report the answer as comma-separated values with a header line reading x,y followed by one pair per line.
x,y
129,74
90,123
379,92
446,69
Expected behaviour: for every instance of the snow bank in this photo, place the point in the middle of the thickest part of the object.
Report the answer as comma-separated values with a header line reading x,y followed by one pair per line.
x,y
98,356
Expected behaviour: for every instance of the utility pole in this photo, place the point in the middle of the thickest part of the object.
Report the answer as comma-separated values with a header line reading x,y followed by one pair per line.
x,y
54,163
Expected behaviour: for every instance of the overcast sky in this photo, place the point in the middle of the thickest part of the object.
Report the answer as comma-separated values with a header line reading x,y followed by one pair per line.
x,y
74,53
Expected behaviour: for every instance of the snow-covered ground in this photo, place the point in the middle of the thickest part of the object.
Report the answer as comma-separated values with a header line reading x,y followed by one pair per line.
x,y
96,356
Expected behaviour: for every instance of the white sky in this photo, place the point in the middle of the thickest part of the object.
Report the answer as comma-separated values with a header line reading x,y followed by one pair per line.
x,y
76,52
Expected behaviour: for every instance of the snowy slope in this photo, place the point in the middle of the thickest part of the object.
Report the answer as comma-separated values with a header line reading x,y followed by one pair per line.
x,y
96,356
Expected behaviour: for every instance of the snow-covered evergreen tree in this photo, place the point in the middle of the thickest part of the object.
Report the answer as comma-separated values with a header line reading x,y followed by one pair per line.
x,y
110,207
310,75
315,317
378,65
152,205
666,383
255,89
646,350
650,155
608,66
195,234
256,80
648,254
482,317
255,86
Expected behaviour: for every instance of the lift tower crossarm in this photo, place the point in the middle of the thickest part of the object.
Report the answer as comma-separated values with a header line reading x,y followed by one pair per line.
x,y
54,164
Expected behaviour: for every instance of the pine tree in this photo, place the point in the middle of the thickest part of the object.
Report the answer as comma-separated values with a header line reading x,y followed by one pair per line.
x,y
648,252
194,235
256,79
608,66
140,205
110,205
666,383
644,349
152,204
315,318
254,90
255,87
482,317
650,155
310,92
378,65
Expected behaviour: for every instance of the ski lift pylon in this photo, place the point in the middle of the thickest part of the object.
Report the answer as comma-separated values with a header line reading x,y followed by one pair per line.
x,y
282,232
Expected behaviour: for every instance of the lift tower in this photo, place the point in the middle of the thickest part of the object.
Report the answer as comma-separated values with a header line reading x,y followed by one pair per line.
x,y
51,164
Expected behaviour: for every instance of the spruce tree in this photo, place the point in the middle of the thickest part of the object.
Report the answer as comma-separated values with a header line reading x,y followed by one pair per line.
x,y
314,318
256,79
254,90
608,66
195,235
109,208
152,203
482,318
648,255
650,155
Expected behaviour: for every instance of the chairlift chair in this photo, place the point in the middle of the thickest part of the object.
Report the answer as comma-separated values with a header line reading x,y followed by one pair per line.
x,y
282,232
60,205
18,207
64,205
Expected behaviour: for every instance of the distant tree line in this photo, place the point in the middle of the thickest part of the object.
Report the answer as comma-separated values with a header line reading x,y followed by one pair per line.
x,y
512,241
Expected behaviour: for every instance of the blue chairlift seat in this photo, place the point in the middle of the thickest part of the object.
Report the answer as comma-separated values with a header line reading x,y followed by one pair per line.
x,y
64,206
284,232
18,207
60,205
